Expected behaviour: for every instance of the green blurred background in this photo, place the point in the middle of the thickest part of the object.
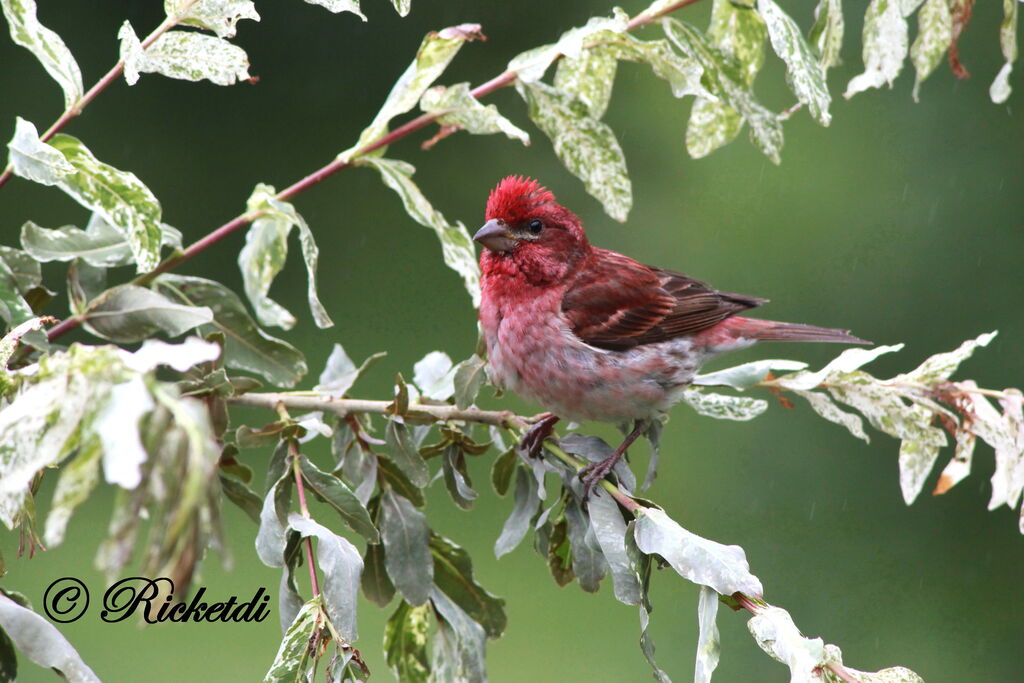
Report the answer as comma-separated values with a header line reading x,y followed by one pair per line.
x,y
901,221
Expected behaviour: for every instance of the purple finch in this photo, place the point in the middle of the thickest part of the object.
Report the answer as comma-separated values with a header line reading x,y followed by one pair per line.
x,y
590,334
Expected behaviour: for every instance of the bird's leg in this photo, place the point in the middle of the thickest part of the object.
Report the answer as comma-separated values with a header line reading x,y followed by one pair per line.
x,y
595,472
535,435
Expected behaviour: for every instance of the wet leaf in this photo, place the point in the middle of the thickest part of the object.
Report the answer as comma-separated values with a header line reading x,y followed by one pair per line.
x,y
747,375
588,563
1000,89
777,635
459,643
470,375
934,33
405,454
434,376
502,469
377,587
290,661
99,244
341,373
827,32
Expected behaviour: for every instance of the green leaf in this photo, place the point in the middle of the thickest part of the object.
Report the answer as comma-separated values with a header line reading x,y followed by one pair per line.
x,y
1000,89
527,499
219,16
456,245
185,55
916,461
610,531
290,661
42,643
405,455
588,562
712,125
406,552
33,159
723,407
586,147
683,74
777,635
804,74
435,53
531,65
341,373
458,107
246,346
934,33
746,375
456,477
469,377
77,479
453,576
341,565
377,586
118,196
129,313
333,491
241,495
17,279
709,648
827,32
726,81
459,643
405,643
271,536
46,45
392,474
885,47
99,244
721,567
502,469
264,254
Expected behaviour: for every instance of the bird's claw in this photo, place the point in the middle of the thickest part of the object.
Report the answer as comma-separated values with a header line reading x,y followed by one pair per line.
x,y
595,472
535,435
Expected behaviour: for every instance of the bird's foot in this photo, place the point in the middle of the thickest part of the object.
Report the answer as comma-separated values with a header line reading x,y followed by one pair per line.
x,y
596,471
535,435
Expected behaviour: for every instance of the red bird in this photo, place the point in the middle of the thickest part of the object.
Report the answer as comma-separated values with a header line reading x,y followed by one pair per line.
x,y
591,334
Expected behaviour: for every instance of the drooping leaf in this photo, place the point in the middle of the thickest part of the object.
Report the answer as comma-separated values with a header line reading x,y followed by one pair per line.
x,y
708,646
724,407
588,563
610,530
246,346
377,586
271,536
777,635
129,313
118,196
589,77
405,454
827,33
846,362
459,643
392,474
721,567
241,495
32,158
185,55
893,674
586,147
406,551
456,477
46,45
518,522
99,245
457,107
290,661
804,73
405,643
942,365
341,565
885,46
934,33
747,375
1000,88
334,492
17,282
402,6
117,425
219,16
824,406
42,643
78,477
453,576
531,65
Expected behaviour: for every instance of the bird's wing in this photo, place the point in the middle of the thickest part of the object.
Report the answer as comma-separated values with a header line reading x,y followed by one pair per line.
x,y
617,303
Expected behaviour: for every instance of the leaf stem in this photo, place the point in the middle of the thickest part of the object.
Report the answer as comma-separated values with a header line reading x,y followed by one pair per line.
x,y
293,454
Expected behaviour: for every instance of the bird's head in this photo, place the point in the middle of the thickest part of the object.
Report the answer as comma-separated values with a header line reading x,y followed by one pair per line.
x,y
529,233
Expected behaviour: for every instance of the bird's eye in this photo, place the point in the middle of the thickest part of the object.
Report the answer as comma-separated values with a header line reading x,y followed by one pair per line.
x,y
536,226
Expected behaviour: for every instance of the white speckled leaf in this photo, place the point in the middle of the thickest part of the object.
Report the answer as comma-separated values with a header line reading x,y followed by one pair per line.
x,y
337,6
942,365
461,109
1000,89
824,406
885,47
100,244
709,648
848,361
586,147
219,16
456,245
46,45
746,375
777,635
712,125
804,74
723,407
590,77
893,674
402,6
531,65
827,33
33,159
934,32
293,652
185,55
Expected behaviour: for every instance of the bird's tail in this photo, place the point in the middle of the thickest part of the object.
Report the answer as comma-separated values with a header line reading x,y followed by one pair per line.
x,y
771,330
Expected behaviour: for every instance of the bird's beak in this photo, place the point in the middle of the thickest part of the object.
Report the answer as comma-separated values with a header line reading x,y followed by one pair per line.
x,y
495,236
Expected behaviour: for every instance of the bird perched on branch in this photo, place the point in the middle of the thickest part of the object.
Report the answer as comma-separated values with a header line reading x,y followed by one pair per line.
x,y
590,334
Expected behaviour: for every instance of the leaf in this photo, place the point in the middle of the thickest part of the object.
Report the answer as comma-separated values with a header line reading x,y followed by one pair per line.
x,y
502,469
824,406
129,313
434,376
435,53
219,16
377,587
270,539
723,407
333,491
647,647
804,74
827,32
588,563
406,456
402,6
456,477
457,107
747,375
934,33
14,309
43,644
118,196
453,576
709,648
456,245
117,426
289,663
518,522
390,473
46,45
610,530
341,373
531,65
246,346
99,245
405,643
777,635
77,479
725,81
589,77
916,462
406,552
942,365
1000,88
10,342
885,47
893,674
241,495
459,643
848,361
341,566
185,55
469,377
31,158
586,147
721,567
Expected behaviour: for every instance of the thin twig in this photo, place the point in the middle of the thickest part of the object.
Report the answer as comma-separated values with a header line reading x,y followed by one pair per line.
x,y
293,455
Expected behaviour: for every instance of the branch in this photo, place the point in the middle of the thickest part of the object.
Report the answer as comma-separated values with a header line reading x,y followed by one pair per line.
x,y
293,455
502,80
